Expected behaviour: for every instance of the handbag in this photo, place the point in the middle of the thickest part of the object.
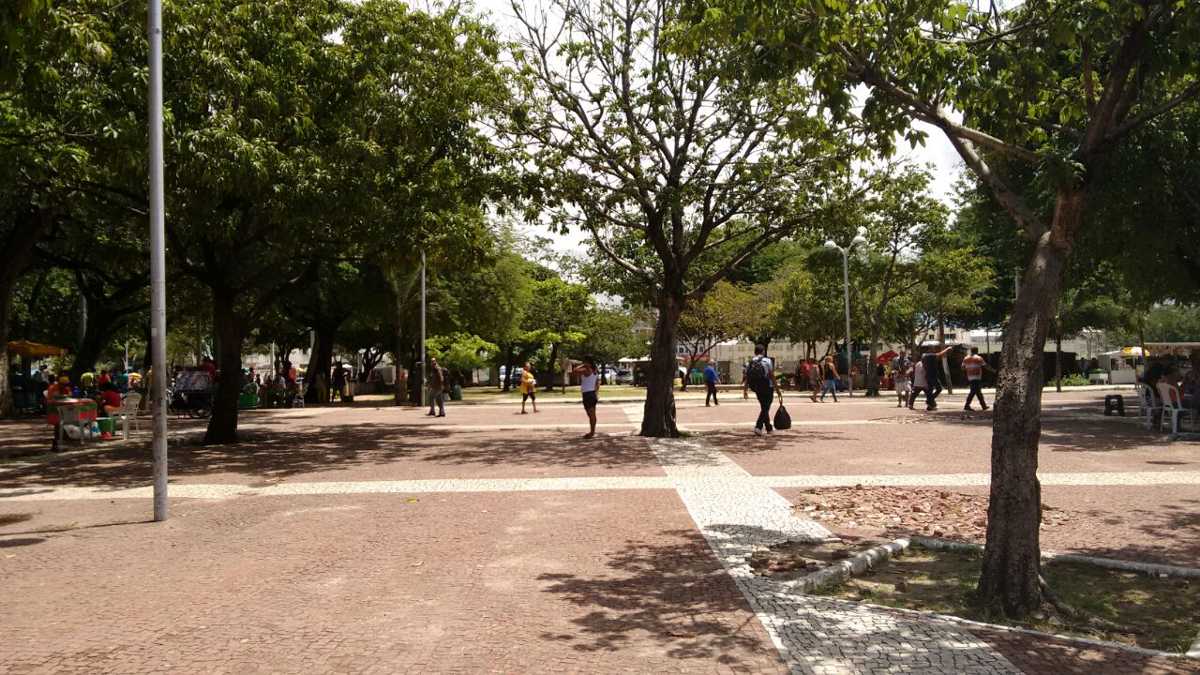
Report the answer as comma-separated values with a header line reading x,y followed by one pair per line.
x,y
783,420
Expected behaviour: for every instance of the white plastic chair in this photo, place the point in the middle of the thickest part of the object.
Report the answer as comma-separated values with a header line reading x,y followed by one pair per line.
x,y
1148,405
129,414
1173,409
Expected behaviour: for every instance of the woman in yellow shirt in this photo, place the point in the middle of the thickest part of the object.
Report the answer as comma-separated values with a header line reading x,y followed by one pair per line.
x,y
528,386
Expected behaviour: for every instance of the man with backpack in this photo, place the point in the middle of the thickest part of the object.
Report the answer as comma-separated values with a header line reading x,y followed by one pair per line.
x,y
760,378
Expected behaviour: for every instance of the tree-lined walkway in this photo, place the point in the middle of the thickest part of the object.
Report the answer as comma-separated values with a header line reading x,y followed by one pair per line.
x,y
361,539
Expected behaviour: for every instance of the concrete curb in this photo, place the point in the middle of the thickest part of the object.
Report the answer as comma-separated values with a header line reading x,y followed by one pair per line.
x,y
1029,631
1153,569
845,569
868,559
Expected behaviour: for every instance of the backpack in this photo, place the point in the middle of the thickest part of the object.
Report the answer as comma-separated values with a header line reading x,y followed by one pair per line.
x,y
756,375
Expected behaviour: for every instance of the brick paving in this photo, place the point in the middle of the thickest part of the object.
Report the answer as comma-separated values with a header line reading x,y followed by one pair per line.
x,y
362,538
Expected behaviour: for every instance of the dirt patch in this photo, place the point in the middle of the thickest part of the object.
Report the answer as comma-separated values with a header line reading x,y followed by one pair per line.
x,y
1125,607
792,559
895,512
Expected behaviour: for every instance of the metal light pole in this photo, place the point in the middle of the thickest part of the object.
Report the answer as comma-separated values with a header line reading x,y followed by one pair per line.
x,y
424,395
158,266
859,238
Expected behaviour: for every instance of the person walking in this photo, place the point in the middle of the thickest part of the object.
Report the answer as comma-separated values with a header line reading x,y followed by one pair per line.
x,y
437,388
589,386
760,378
830,376
710,384
919,384
973,366
528,387
933,374
813,372
901,365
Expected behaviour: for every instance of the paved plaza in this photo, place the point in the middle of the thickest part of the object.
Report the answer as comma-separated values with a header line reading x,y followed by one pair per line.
x,y
376,539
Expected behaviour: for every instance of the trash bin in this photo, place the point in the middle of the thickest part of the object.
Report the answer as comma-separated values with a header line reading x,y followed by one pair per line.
x,y
456,392
107,425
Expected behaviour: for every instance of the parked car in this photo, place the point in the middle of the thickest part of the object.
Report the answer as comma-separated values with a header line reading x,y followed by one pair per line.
x,y
625,376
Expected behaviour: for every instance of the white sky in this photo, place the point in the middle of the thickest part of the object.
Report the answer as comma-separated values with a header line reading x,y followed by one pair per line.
x,y
937,153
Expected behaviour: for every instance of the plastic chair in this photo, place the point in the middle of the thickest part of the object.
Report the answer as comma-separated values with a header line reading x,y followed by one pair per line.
x,y
69,415
1148,405
129,414
1173,409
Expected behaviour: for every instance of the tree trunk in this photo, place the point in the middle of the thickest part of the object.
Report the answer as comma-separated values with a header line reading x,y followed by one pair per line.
x,y
872,376
1009,582
15,255
658,415
550,369
6,399
1058,362
222,426
320,362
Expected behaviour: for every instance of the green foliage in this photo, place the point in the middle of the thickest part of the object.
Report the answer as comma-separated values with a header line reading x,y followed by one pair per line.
x,y
461,351
610,336
724,313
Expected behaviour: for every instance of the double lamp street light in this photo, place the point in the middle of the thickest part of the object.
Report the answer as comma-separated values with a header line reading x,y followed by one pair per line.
x,y
859,239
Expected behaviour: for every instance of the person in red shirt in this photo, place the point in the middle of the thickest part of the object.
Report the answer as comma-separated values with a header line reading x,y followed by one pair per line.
x,y
60,389
110,400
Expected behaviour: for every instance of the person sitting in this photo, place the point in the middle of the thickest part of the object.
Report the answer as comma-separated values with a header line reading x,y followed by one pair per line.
x,y
110,399
87,385
104,378
60,389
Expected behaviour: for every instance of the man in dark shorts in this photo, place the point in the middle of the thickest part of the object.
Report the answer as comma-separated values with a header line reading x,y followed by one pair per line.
x,y
589,385
933,374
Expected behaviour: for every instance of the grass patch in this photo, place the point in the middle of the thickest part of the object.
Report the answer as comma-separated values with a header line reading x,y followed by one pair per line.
x,y
1135,609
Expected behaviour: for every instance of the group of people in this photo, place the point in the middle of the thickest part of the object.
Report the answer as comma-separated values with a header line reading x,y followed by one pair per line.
x,y
438,380
924,376
1168,383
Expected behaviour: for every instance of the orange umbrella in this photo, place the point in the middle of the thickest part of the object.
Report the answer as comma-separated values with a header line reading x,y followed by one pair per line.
x,y
34,350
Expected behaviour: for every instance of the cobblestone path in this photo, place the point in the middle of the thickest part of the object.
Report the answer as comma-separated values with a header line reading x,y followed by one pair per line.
x,y
737,514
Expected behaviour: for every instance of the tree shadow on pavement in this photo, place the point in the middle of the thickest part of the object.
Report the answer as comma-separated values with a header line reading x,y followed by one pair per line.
x,y
675,594
1172,534
1080,436
744,442
272,453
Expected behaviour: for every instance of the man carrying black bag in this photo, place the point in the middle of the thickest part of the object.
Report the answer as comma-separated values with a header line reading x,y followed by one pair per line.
x,y
760,378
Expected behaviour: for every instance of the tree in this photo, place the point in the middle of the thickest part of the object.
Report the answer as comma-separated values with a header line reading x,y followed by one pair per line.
x,y
610,337
896,217
556,316
676,173
1056,86
722,314
808,305
460,352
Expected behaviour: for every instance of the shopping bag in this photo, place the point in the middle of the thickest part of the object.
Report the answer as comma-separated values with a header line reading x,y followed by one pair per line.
x,y
782,419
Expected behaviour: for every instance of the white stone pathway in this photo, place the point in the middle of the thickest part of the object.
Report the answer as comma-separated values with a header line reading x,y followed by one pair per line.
x,y
573,483
737,514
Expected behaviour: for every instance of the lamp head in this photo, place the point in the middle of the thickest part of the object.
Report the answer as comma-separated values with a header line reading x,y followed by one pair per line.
x,y
829,244
858,240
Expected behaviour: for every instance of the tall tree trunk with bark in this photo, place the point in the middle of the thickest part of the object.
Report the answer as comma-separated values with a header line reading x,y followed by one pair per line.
x,y
658,416
15,256
1009,583
320,362
1058,360
227,328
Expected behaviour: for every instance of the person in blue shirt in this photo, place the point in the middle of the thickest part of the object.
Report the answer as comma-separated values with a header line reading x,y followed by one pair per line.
x,y
710,384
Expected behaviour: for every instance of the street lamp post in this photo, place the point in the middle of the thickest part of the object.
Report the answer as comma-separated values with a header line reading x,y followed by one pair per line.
x,y
859,238
158,292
